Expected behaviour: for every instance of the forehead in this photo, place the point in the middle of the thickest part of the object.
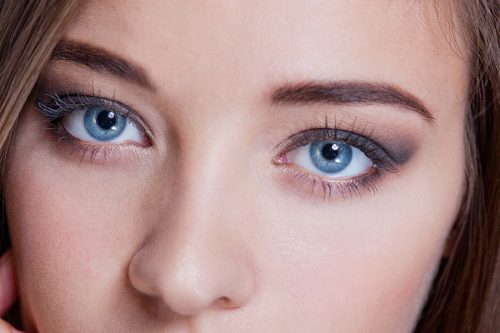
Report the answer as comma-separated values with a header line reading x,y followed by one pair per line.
x,y
229,44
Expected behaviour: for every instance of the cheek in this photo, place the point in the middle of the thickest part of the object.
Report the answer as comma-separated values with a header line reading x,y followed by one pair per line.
x,y
73,231
358,269
367,263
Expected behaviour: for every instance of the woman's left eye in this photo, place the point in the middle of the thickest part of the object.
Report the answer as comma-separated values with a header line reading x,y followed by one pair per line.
x,y
102,126
334,159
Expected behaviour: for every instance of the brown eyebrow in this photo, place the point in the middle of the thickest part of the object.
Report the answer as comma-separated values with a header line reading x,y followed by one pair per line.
x,y
349,92
101,60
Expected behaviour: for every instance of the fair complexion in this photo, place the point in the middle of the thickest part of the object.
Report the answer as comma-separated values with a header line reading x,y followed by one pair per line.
x,y
212,213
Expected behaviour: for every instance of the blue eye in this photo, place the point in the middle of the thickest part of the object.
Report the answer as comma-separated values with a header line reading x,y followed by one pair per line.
x,y
335,159
330,156
100,125
104,125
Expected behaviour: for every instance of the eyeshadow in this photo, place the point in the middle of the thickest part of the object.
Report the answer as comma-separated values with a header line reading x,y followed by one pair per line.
x,y
399,149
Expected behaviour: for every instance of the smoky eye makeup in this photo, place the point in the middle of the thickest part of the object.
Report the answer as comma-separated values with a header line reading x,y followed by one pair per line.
x,y
331,162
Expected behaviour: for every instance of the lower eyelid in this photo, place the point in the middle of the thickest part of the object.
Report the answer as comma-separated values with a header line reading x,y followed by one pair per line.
x,y
110,154
308,185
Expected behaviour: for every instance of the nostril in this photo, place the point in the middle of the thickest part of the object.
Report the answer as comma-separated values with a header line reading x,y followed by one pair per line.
x,y
225,303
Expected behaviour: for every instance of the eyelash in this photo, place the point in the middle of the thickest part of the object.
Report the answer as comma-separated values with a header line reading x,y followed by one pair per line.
x,y
383,162
53,107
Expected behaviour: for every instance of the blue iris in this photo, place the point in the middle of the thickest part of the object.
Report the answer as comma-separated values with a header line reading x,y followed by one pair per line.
x,y
104,125
330,156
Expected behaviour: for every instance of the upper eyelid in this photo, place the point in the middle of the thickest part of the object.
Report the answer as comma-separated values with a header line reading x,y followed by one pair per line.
x,y
305,137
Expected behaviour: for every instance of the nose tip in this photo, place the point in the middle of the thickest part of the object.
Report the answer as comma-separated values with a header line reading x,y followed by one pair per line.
x,y
192,287
191,279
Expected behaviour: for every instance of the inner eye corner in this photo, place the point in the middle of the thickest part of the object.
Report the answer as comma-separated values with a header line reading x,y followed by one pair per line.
x,y
280,159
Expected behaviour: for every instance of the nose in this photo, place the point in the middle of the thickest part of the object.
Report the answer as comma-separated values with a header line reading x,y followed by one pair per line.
x,y
192,271
198,257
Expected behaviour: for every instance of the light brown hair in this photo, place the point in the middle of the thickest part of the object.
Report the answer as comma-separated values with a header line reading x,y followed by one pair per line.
x,y
465,295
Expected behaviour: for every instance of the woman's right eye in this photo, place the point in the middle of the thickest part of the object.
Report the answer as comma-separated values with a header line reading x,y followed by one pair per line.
x,y
99,125
93,120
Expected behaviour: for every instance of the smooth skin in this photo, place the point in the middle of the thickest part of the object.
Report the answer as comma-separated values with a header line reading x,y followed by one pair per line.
x,y
207,229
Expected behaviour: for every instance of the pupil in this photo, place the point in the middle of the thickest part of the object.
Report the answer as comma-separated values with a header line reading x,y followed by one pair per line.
x,y
106,120
330,151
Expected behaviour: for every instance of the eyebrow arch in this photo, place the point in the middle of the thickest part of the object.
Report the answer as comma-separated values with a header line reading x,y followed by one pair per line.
x,y
349,92
101,60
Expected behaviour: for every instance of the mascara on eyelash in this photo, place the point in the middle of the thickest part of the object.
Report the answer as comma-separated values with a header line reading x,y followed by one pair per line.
x,y
52,109
53,105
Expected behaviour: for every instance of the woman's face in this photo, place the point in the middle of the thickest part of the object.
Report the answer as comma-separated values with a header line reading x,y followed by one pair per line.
x,y
238,166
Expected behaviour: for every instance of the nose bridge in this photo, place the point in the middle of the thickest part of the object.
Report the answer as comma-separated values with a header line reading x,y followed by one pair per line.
x,y
198,256
213,166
